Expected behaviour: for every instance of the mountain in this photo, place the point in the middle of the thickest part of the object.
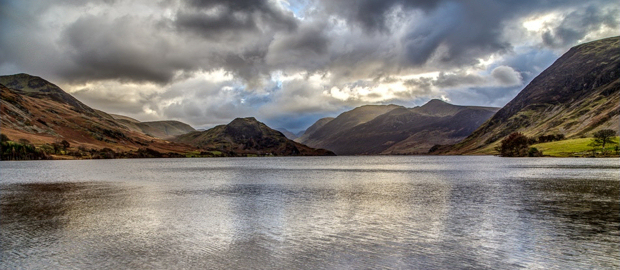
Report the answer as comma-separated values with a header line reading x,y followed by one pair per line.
x,y
576,96
289,135
333,129
406,130
313,128
38,111
37,87
247,136
158,129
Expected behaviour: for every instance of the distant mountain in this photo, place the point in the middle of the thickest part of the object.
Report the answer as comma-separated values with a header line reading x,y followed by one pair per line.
x,y
40,112
157,129
247,136
332,129
407,130
576,96
289,135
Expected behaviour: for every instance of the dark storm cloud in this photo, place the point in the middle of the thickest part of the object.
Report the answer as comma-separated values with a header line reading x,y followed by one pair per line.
x,y
217,18
306,48
372,14
103,48
451,32
467,32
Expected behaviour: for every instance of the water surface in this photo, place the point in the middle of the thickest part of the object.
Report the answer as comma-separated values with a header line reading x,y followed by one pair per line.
x,y
311,213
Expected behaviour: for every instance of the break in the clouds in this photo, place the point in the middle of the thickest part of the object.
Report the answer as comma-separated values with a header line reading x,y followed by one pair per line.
x,y
289,63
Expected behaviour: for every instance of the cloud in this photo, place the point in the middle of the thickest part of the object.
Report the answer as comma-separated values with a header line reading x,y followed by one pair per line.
x,y
578,24
103,48
506,76
216,19
305,49
207,61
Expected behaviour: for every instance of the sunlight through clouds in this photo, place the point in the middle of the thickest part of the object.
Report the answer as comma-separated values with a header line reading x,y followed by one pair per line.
x,y
206,62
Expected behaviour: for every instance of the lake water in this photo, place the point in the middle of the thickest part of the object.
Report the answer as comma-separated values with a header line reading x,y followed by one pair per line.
x,y
394,212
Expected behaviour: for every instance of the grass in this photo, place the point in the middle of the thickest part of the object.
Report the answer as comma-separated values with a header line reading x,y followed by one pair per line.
x,y
569,148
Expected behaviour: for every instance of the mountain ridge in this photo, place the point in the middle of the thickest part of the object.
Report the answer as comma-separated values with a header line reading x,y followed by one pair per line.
x,y
394,130
578,94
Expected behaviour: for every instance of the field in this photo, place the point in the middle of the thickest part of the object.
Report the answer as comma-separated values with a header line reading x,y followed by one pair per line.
x,y
572,148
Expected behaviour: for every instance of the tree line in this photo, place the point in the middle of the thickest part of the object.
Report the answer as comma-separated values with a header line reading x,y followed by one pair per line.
x,y
25,150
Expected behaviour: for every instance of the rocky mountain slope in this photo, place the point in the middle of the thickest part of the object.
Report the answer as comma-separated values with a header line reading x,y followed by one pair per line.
x,y
40,112
398,130
576,96
247,136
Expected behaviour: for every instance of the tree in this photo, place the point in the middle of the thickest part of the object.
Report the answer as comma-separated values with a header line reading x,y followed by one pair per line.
x,y
604,137
4,138
65,144
515,145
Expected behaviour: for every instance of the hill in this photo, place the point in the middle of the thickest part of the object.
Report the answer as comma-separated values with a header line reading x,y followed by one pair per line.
x,y
37,87
39,112
576,96
158,129
398,130
247,137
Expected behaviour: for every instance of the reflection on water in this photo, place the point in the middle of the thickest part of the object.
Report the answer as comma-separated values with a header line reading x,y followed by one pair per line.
x,y
311,213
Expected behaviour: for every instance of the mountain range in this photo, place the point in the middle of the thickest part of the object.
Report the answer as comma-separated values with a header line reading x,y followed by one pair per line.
x,y
392,129
577,95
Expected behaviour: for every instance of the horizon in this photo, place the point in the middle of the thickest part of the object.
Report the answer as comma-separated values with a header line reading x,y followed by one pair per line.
x,y
291,63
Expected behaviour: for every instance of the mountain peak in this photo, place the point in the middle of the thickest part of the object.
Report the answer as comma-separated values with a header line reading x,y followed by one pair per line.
x,y
436,107
436,102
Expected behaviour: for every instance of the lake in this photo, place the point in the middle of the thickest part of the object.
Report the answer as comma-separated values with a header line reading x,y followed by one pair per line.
x,y
370,212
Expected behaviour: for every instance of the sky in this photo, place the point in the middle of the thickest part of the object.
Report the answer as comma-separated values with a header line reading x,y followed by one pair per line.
x,y
289,63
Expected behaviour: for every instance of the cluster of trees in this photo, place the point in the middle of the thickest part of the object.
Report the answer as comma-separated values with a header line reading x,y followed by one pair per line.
x,y
518,145
550,138
21,150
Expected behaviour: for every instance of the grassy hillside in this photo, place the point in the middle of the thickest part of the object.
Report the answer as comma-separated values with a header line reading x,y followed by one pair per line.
x,y
570,148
